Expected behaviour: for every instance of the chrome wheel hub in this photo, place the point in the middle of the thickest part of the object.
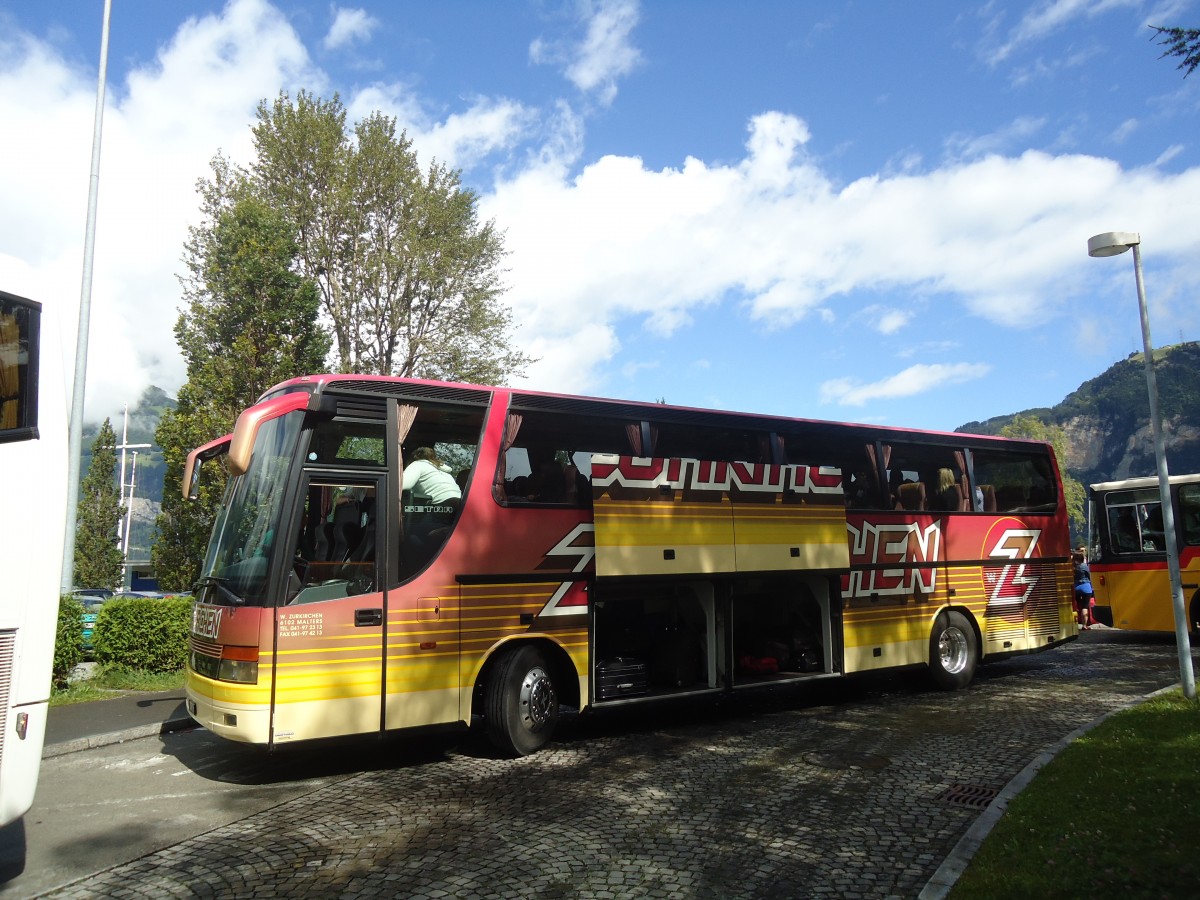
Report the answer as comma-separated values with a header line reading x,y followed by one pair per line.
x,y
952,650
537,699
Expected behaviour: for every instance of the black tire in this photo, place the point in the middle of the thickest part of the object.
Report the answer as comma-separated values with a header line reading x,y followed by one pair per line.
x,y
953,651
520,708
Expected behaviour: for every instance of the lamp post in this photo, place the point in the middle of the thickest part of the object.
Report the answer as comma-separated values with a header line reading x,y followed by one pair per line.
x,y
1113,243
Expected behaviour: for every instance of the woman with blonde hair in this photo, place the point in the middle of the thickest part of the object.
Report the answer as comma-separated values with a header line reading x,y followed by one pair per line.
x,y
946,495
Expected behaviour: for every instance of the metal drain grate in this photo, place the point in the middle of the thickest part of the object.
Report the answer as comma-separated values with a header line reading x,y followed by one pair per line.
x,y
969,795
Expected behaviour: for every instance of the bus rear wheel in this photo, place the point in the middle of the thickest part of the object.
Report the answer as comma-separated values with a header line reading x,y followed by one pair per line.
x,y
953,651
520,702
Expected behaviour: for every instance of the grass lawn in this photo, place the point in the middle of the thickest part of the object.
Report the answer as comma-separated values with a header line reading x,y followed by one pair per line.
x,y
1116,814
106,683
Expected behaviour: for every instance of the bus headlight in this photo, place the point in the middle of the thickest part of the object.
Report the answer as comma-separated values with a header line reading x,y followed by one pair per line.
x,y
238,670
238,664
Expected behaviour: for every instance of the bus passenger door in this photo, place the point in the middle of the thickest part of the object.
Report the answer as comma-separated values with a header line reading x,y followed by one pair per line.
x,y
328,660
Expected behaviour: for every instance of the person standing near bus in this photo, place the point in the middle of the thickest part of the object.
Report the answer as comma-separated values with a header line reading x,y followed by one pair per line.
x,y
1085,597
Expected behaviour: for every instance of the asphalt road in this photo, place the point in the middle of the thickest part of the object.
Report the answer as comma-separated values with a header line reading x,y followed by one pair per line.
x,y
859,788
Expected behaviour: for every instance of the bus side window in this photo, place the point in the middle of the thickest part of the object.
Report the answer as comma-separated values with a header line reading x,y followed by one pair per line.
x,y
1189,509
550,460
1123,530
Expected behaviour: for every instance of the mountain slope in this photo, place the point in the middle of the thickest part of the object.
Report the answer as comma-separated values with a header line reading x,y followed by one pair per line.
x,y
1107,419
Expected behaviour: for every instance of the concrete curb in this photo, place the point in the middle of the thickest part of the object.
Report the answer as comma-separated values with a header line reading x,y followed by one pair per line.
x,y
968,845
116,737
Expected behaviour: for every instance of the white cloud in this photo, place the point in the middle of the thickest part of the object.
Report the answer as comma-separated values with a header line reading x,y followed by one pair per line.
x,y
890,321
604,54
1167,155
1046,18
1016,134
461,139
1001,237
918,379
1124,130
161,128
349,26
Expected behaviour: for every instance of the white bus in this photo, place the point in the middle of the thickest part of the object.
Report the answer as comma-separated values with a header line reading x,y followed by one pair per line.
x,y
33,475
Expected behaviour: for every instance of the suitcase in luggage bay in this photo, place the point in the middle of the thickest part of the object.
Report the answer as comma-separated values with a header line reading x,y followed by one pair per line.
x,y
621,676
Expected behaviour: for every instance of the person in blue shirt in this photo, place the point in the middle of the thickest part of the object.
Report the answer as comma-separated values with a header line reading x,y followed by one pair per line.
x,y
1085,597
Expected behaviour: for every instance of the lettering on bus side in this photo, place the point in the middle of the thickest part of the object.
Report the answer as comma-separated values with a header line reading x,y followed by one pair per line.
x,y
206,621
609,470
900,545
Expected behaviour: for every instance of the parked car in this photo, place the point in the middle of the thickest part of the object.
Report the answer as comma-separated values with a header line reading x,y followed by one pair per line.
x,y
153,595
101,593
92,599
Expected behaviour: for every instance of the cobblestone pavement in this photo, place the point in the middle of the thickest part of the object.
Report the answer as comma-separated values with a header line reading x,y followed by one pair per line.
x,y
856,790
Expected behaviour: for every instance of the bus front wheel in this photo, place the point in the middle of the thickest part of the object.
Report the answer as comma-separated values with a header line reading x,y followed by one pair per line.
x,y
520,702
953,651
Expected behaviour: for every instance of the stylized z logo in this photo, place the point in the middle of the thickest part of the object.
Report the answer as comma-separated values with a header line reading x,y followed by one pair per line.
x,y
571,597
1012,585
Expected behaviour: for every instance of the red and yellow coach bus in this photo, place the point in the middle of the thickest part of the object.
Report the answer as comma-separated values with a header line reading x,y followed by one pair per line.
x,y
594,553
1128,552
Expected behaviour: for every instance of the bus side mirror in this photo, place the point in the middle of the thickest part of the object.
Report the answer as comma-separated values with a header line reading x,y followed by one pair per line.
x,y
192,490
191,468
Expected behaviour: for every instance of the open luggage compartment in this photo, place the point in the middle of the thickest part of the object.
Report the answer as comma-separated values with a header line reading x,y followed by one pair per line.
x,y
657,638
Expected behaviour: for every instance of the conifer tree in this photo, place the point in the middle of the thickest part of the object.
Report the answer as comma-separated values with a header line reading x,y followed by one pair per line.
x,y
1182,43
98,557
251,323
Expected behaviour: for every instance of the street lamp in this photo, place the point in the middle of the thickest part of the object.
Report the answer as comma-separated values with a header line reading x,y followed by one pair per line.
x,y
1114,243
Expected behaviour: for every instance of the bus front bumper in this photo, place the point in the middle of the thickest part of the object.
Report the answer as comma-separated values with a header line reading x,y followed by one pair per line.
x,y
249,723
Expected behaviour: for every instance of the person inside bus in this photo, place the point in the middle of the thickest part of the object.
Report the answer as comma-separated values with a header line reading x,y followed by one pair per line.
x,y
435,498
546,483
1153,534
945,494
895,480
860,491
430,480
1125,532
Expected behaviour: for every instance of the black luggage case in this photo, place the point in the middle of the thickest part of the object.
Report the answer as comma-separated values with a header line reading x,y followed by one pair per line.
x,y
621,676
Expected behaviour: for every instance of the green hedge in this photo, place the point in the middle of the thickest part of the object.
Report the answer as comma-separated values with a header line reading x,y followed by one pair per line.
x,y
68,643
144,633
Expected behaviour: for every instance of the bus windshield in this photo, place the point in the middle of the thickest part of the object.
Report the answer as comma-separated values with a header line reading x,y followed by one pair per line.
x,y
236,569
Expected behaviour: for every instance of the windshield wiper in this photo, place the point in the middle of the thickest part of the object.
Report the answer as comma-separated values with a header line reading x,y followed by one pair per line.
x,y
220,585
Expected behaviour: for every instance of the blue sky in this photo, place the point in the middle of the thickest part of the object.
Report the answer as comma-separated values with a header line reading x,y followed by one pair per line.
x,y
865,211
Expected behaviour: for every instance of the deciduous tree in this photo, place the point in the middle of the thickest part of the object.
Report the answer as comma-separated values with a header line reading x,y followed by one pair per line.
x,y
409,277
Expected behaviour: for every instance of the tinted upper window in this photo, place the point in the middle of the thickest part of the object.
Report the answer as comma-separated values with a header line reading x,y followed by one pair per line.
x,y
1016,481
19,345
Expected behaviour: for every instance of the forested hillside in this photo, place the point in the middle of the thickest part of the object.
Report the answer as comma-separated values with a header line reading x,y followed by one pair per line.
x,y
1107,420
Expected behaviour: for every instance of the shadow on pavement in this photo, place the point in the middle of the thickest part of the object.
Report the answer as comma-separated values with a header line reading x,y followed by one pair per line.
x,y
217,759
